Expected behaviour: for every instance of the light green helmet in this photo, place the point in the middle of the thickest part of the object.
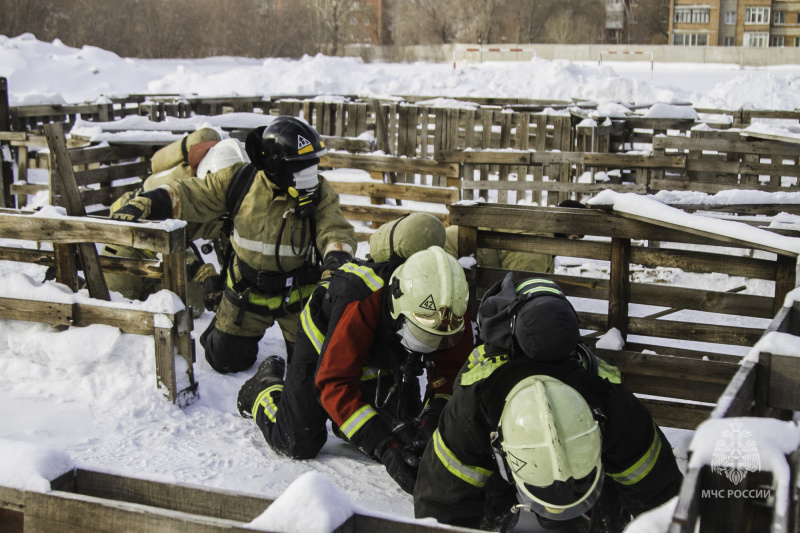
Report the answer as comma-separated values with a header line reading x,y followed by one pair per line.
x,y
551,443
430,292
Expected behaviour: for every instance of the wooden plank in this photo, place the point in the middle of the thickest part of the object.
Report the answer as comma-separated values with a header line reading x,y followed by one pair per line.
x,y
485,156
737,336
23,226
66,266
677,414
709,188
389,164
581,188
619,289
676,388
106,154
165,361
673,142
69,189
218,503
684,518
679,298
417,193
381,213
709,234
696,261
107,174
52,313
692,371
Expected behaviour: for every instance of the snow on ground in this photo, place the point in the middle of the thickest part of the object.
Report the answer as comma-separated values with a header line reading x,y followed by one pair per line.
x,y
86,397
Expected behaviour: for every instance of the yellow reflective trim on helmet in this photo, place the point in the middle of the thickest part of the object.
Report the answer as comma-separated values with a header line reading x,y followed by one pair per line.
x,y
307,148
265,400
643,466
367,275
474,475
357,420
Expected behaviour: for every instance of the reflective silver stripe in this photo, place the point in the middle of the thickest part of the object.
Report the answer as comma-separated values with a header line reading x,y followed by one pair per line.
x,y
265,400
366,274
474,475
357,420
311,330
643,466
370,372
264,248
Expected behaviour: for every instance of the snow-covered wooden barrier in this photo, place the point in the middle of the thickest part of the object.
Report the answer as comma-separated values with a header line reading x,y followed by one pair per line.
x,y
374,190
168,319
744,465
681,379
85,501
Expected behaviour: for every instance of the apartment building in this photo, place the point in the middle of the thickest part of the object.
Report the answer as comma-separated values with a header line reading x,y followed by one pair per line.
x,y
751,23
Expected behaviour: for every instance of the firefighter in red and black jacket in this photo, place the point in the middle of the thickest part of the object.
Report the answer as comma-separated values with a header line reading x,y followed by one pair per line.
x,y
365,337
537,422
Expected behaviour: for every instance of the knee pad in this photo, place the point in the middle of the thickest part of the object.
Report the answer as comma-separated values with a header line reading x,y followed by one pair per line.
x,y
228,353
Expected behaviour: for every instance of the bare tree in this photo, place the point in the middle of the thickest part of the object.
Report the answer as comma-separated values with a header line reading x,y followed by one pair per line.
x,y
425,21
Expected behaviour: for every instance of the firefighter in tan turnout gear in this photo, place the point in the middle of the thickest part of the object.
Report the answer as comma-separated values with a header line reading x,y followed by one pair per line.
x,y
286,228
537,422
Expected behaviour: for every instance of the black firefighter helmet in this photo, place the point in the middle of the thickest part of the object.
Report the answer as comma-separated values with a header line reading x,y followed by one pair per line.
x,y
284,147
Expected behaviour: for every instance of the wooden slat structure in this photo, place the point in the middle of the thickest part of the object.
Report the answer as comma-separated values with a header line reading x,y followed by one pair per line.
x,y
171,331
689,380
85,501
764,386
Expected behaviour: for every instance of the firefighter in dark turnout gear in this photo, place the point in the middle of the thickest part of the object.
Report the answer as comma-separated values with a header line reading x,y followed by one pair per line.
x,y
532,425
366,335
286,227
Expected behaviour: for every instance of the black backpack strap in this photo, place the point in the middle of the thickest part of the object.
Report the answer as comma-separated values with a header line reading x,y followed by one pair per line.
x,y
234,196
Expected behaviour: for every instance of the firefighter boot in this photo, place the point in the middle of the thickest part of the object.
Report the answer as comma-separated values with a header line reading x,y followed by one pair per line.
x,y
270,372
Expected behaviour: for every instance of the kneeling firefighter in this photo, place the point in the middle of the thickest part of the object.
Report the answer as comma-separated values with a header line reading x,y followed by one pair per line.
x,y
368,333
537,422
286,226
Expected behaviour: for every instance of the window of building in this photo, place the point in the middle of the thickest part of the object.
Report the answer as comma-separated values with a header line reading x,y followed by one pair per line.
x,y
798,18
730,17
690,39
692,15
755,39
756,15
779,17
729,41
797,41
777,40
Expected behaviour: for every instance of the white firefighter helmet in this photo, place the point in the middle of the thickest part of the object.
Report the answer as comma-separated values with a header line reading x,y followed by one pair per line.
x,y
221,155
551,443
430,292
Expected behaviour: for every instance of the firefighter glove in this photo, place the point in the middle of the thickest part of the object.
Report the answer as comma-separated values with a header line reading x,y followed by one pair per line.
x,y
390,454
334,260
212,292
138,207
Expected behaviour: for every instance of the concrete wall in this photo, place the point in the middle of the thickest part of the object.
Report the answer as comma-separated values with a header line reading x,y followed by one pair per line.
x,y
581,52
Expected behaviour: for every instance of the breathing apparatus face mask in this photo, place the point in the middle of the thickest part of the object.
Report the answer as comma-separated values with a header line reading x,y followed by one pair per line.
x,y
306,185
418,340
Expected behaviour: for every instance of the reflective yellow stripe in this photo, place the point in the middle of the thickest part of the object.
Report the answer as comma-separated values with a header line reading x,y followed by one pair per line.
x,y
543,289
371,372
643,466
275,302
357,420
311,330
367,275
476,356
608,372
474,475
532,281
482,368
265,400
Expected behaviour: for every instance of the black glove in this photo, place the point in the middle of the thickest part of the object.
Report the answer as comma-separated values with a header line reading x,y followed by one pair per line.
x,y
153,205
212,292
334,260
427,423
390,454
138,207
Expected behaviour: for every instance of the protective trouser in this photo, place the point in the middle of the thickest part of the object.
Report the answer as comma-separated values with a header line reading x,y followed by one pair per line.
x,y
229,352
294,422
